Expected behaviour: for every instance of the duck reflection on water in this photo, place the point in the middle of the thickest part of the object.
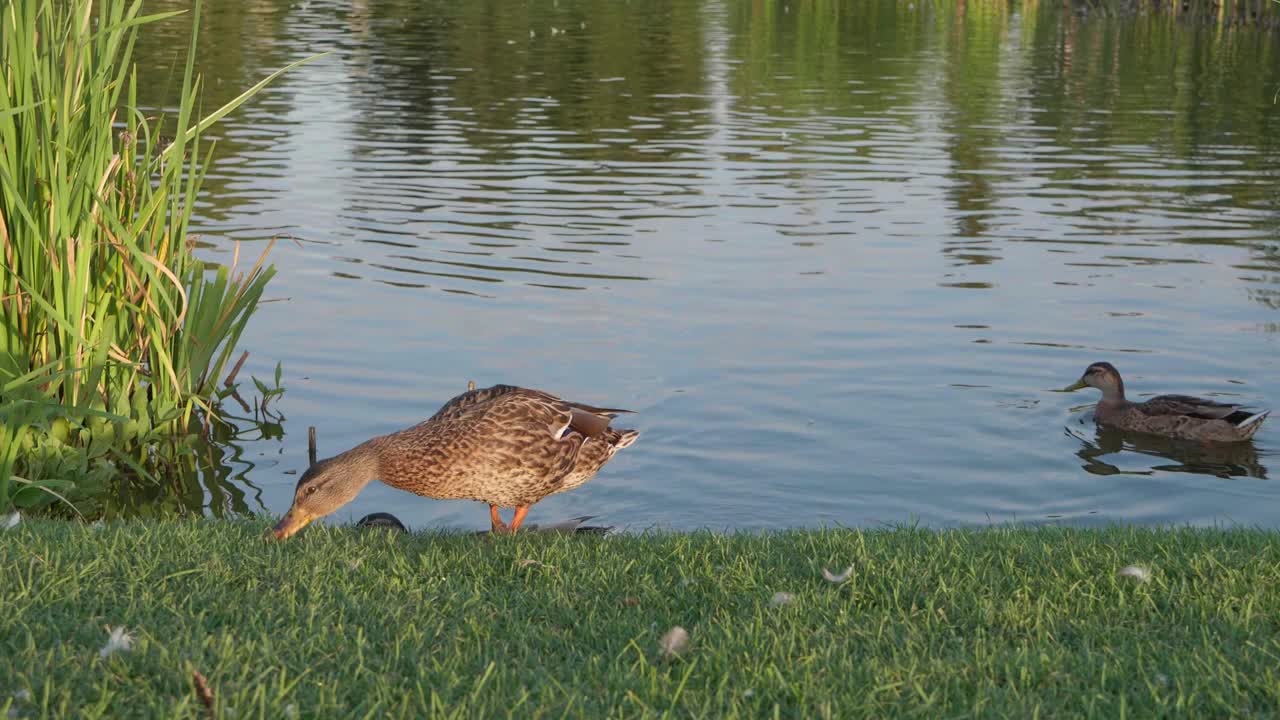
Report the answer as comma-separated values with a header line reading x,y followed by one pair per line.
x,y
1223,460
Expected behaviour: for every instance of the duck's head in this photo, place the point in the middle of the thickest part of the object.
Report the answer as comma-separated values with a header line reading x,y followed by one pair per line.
x,y
322,489
1103,376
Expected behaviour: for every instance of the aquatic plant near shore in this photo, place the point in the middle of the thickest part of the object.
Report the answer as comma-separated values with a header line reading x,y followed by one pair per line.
x,y
112,332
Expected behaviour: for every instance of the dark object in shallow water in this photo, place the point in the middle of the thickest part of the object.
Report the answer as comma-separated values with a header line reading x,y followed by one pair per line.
x,y
572,526
381,520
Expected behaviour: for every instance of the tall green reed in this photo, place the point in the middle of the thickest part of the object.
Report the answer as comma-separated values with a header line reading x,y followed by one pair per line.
x,y
108,321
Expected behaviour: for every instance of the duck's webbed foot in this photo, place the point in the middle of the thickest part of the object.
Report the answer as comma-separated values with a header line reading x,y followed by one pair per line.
x,y
519,517
496,526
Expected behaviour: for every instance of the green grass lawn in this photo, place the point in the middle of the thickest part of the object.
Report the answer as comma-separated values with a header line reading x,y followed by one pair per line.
x,y
347,623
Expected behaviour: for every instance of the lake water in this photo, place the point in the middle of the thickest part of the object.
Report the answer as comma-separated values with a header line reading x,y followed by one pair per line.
x,y
836,255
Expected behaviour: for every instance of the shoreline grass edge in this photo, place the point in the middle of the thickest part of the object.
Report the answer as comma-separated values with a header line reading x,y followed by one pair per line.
x,y
999,622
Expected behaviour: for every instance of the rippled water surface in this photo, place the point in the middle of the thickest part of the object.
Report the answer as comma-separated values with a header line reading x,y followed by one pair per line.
x,y
836,255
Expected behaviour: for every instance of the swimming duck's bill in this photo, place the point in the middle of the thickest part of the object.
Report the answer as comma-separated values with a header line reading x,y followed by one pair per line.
x,y
1077,385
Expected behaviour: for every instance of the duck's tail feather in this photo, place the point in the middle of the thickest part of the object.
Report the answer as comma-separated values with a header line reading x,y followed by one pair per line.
x,y
626,438
606,412
1253,420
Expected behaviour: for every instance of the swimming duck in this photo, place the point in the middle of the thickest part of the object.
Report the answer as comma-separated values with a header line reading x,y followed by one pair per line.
x,y
505,446
1178,416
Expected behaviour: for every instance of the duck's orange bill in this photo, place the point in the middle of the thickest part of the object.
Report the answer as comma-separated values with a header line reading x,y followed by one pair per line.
x,y
292,522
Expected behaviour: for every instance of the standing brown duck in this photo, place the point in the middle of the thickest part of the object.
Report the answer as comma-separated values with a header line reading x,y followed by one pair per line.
x,y
1177,416
506,446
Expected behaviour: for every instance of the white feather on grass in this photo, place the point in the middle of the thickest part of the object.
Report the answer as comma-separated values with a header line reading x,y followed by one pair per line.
x,y
22,696
834,578
120,641
782,598
11,520
674,642
1137,572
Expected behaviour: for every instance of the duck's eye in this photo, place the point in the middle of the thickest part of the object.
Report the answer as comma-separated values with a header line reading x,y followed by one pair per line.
x,y
311,490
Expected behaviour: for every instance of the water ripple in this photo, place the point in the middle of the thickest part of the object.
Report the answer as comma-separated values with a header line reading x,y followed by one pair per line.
x,y
837,255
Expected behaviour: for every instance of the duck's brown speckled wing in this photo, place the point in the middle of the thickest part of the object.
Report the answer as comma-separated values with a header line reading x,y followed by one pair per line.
x,y
471,398
1183,416
508,446
1188,406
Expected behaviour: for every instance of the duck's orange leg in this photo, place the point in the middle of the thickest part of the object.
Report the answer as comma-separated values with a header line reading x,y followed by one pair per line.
x,y
495,520
519,517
